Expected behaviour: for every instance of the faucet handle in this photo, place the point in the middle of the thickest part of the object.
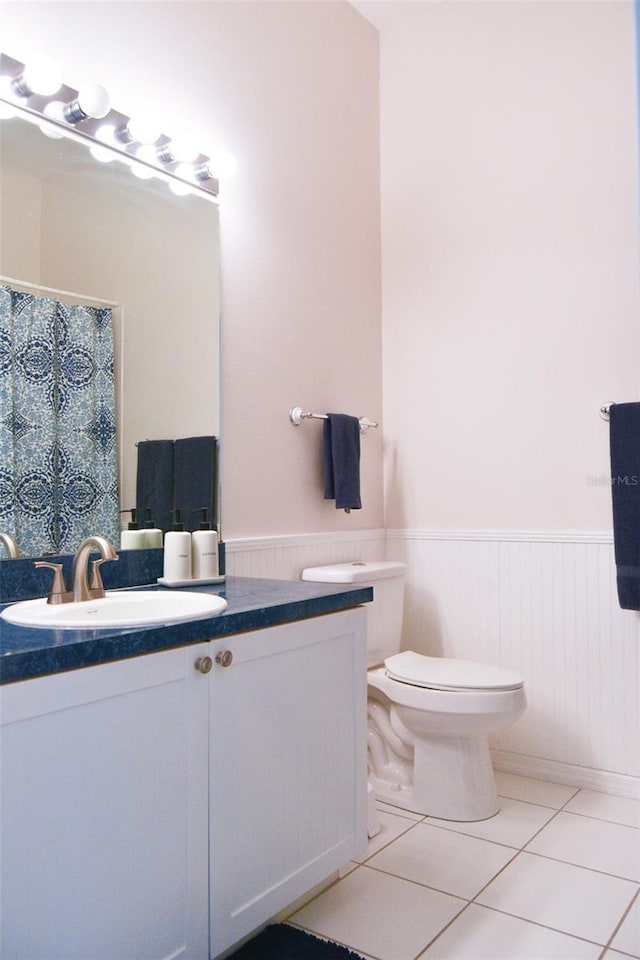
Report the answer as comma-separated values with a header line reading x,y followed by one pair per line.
x,y
58,592
96,578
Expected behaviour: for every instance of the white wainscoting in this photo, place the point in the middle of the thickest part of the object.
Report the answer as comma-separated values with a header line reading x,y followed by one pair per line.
x,y
284,558
544,604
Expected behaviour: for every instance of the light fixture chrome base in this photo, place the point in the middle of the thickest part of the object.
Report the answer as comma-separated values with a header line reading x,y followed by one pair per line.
x,y
74,123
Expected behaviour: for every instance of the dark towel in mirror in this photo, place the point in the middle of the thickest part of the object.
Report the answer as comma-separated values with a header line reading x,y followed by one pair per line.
x,y
341,461
154,482
195,479
624,440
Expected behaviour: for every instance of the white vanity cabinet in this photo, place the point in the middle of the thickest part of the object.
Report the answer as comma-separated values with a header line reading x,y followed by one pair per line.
x,y
287,766
104,812
165,806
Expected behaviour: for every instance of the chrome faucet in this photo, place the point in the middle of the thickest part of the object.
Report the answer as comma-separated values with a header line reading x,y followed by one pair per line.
x,y
81,588
13,551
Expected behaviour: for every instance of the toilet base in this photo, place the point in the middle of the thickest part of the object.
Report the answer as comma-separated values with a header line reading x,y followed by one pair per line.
x,y
452,777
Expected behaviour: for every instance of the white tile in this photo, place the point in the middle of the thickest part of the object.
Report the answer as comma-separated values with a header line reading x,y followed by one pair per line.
x,y
483,934
371,912
571,899
607,807
533,791
627,938
614,955
390,828
443,859
595,844
398,811
515,824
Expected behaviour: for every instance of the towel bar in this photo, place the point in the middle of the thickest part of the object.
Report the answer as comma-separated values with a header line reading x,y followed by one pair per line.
x,y
297,415
605,409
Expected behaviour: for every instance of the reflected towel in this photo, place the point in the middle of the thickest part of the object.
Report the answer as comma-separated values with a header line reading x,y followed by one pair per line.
x,y
195,479
624,440
154,481
341,461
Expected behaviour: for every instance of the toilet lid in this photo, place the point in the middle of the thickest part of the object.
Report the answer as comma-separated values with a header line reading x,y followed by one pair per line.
x,y
440,673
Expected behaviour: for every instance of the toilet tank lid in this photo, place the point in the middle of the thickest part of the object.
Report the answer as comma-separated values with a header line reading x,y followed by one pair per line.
x,y
358,571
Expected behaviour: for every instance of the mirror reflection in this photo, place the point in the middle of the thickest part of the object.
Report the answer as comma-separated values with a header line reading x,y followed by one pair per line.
x,y
97,253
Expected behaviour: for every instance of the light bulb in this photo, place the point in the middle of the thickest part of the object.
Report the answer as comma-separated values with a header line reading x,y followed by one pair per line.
x,y
142,130
92,101
183,150
222,165
185,171
42,78
106,133
6,111
101,154
177,149
54,111
179,188
141,172
147,154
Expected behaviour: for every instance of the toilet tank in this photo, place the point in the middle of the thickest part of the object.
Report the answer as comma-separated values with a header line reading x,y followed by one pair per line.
x,y
384,615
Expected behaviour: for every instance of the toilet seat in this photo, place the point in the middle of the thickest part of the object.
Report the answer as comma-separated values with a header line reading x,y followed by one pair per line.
x,y
442,673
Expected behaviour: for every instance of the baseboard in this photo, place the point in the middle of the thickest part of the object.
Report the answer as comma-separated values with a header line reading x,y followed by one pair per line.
x,y
603,781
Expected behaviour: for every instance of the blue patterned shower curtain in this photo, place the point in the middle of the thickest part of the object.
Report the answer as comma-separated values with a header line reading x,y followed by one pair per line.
x,y
58,449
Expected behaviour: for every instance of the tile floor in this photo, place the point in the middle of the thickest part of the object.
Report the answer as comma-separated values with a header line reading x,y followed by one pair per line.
x,y
555,875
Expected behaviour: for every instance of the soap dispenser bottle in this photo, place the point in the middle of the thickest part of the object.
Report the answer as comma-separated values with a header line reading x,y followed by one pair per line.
x,y
177,551
152,534
204,554
133,538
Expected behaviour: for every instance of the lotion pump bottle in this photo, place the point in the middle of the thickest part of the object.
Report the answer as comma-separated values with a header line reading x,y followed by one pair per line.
x,y
133,538
177,551
152,534
204,549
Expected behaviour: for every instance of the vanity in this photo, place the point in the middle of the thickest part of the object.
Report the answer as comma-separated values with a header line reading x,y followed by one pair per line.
x,y
167,790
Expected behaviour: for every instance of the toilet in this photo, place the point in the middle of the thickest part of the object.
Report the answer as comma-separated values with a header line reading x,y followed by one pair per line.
x,y
429,718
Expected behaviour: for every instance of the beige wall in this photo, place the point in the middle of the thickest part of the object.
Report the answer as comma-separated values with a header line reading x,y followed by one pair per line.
x,y
292,90
510,259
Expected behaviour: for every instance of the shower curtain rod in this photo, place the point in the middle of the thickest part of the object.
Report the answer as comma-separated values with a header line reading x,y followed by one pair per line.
x,y
58,293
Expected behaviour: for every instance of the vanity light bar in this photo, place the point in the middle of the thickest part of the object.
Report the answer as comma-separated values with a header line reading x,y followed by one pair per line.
x,y
84,115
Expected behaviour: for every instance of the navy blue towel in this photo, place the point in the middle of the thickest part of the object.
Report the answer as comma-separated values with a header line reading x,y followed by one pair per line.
x,y
624,440
154,481
195,465
341,461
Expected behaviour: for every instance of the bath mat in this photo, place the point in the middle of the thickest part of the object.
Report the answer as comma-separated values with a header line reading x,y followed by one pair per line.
x,y
282,942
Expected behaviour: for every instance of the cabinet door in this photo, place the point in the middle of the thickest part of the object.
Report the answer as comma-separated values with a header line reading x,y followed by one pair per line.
x,y
104,812
288,766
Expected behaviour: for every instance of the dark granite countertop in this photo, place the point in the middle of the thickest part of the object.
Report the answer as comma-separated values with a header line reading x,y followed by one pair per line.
x,y
27,652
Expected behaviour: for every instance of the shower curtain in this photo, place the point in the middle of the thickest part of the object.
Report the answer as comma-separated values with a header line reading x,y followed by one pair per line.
x,y
58,449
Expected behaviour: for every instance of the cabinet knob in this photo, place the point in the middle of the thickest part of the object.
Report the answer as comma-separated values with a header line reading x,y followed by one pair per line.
x,y
203,664
224,658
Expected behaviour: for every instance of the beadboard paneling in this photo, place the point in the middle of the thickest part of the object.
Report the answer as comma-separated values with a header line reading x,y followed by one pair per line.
x,y
548,609
284,558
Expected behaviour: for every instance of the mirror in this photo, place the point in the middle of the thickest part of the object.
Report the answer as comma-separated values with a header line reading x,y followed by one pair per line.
x,y
71,223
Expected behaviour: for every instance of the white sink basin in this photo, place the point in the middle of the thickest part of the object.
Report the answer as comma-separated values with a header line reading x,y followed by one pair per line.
x,y
118,608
